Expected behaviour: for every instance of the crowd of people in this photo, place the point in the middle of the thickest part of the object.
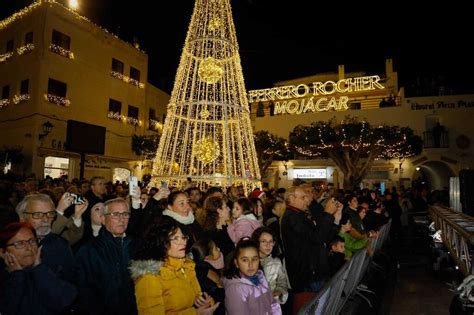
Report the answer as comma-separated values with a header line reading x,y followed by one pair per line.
x,y
93,247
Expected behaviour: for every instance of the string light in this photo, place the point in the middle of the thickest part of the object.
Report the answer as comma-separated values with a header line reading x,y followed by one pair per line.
x,y
6,56
61,51
57,100
207,134
119,117
24,49
19,98
127,79
207,150
4,103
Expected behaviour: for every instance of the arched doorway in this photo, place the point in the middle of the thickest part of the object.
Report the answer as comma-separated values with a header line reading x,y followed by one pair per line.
x,y
436,174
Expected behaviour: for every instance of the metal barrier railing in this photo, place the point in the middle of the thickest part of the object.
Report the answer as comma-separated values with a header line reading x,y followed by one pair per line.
x,y
457,233
332,297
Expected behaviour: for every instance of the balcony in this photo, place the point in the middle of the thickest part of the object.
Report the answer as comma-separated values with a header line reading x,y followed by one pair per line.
x,y
430,141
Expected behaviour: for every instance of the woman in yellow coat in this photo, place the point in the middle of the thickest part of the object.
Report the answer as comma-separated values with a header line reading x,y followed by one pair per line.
x,y
165,280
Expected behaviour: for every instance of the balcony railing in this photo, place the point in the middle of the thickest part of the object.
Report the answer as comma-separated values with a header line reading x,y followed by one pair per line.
x,y
433,141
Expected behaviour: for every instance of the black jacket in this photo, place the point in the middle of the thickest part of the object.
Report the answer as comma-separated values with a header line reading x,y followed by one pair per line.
x,y
35,291
305,248
103,278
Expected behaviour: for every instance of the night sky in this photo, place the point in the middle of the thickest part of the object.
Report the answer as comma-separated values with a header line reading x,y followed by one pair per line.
x,y
284,40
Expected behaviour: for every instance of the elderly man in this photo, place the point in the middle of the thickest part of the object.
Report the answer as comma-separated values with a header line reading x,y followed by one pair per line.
x,y
104,282
38,210
304,244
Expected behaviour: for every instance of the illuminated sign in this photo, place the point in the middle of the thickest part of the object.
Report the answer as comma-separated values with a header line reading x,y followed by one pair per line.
x,y
307,173
300,99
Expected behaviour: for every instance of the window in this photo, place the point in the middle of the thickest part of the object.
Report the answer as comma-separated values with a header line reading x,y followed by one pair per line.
x,y
55,166
29,38
164,118
354,105
24,86
115,106
117,66
5,92
57,88
61,40
132,112
10,46
260,110
135,74
152,114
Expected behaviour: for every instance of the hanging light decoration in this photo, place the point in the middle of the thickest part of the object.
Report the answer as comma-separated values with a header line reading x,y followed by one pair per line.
x,y
208,131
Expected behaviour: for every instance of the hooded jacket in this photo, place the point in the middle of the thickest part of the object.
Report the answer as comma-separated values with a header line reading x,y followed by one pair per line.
x,y
244,297
243,227
168,287
276,276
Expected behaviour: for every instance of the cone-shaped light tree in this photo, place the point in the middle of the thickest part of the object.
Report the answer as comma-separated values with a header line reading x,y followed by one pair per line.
x,y
207,133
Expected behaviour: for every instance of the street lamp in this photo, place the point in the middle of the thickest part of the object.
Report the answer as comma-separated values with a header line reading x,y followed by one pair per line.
x,y
73,4
47,127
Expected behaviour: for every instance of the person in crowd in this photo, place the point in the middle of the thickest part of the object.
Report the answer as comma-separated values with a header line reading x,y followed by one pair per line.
x,y
165,280
72,228
257,207
215,224
83,187
351,244
232,196
209,266
336,255
272,266
26,285
351,209
244,222
144,197
246,289
38,210
375,219
303,237
97,192
179,209
272,214
102,274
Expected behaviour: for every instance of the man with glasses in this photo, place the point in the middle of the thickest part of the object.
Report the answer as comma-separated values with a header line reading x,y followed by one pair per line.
x,y
104,281
305,246
38,210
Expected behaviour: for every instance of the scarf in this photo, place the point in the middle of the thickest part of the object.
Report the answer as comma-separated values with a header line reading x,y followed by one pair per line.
x,y
254,279
183,220
217,263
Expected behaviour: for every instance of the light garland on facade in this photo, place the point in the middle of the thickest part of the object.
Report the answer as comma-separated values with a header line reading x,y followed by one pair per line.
x,y
127,79
61,51
6,56
25,49
119,117
207,134
19,98
26,11
4,103
155,125
57,100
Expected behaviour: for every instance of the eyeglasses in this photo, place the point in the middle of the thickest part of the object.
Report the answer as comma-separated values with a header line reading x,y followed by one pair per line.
x,y
22,244
118,215
40,215
176,239
264,242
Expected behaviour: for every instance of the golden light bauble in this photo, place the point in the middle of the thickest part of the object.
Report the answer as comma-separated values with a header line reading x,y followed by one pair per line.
x,y
207,150
215,23
210,70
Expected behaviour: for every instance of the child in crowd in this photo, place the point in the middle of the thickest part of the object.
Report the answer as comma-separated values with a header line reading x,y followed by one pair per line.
x,y
209,265
244,222
246,289
351,244
272,266
336,255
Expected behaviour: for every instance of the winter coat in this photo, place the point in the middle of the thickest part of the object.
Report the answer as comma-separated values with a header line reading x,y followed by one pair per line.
x,y
36,290
244,297
351,244
276,276
243,227
305,247
103,279
57,255
168,287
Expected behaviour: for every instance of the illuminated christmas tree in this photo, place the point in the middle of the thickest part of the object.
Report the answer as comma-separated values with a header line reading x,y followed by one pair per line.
x,y
207,134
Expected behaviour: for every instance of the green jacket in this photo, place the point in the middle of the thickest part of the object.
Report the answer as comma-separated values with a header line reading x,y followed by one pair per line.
x,y
351,244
